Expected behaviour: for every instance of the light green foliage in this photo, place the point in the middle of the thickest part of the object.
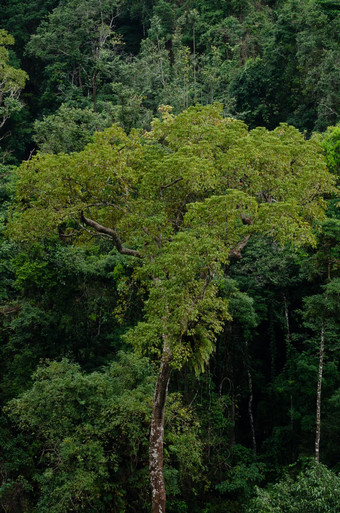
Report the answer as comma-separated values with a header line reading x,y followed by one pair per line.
x,y
12,81
331,143
182,304
99,174
183,444
191,194
185,195
317,488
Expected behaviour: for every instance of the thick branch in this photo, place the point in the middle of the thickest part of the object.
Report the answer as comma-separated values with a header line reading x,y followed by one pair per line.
x,y
155,238
235,253
246,220
112,233
7,310
171,183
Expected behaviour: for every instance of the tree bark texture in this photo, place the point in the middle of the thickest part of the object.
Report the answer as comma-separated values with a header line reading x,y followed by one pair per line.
x,y
111,233
157,434
318,394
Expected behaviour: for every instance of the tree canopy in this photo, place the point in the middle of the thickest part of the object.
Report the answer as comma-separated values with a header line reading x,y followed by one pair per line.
x,y
192,190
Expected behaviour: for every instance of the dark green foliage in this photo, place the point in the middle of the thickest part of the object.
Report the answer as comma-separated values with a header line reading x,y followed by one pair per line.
x,y
90,438
267,62
75,433
21,19
80,424
315,487
64,306
69,129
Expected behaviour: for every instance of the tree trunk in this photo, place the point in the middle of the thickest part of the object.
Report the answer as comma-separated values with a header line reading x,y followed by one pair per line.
x,y
288,357
94,92
250,411
194,42
250,402
94,95
232,437
318,394
157,433
288,340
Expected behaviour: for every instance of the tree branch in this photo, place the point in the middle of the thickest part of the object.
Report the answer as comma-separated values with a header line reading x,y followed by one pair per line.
x,y
235,253
246,220
112,233
155,238
171,183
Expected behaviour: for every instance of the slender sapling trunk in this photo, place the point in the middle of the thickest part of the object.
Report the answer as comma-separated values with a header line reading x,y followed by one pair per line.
x,y
318,394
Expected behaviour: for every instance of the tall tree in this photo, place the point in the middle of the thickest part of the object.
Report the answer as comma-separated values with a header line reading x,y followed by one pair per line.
x,y
12,81
181,200
78,43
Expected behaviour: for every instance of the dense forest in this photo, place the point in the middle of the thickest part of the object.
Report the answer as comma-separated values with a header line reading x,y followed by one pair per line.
x,y
170,256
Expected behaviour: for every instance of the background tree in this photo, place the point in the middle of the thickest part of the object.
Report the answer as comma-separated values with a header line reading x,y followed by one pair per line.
x,y
69,129
78,43
12,81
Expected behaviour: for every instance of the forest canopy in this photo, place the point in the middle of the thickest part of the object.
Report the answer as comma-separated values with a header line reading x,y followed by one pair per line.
x,y
169,241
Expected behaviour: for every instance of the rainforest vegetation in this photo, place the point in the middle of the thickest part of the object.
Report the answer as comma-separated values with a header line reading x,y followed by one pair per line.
x,y
169,256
